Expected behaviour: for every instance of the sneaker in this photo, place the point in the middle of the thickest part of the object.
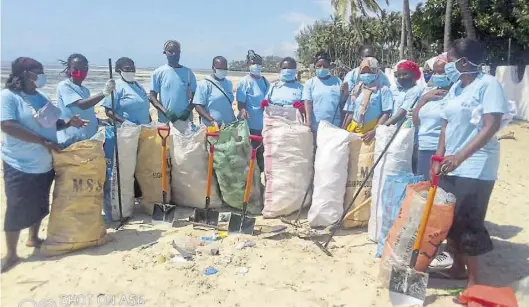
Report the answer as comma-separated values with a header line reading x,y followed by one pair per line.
x,y
443,261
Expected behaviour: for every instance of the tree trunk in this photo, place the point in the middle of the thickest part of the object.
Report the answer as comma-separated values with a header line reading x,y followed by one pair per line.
x,y
409,32
402,37
448,24
466,17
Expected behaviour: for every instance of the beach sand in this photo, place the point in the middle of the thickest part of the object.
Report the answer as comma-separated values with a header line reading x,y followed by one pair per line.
x,y
283,271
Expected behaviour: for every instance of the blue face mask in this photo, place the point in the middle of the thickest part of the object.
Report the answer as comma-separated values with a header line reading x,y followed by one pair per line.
x,y
427,77
287,74
367,78
454,74
441,81
322,72
255,69
173,59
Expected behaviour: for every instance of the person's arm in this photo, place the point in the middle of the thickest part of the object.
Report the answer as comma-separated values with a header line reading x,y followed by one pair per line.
x,y
193,88
435,167
306,96
155,89
417,109
113,116
90,102
75,122
401,113
242,98
107,104
201,99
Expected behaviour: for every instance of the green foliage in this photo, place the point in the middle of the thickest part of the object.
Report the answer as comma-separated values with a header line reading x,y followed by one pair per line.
x,y
270,64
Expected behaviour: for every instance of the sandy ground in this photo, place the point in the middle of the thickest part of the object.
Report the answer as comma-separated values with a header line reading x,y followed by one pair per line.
x,y
283,271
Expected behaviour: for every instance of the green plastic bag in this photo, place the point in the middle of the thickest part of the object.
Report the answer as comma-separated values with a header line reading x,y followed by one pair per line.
x,y
231,162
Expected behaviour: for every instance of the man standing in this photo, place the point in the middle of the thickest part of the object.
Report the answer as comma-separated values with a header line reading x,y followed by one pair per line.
x,y
172,88
351,79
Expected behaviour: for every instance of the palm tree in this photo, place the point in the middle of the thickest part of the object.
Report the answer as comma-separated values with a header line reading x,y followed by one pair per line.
x,y
466,17
402,37
409,33
341,7
448,24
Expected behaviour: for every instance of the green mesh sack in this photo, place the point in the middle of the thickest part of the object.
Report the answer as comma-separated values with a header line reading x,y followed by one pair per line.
x,y
231,162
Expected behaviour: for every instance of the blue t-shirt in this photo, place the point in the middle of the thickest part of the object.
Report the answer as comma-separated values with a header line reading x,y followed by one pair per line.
x,y
380,101
352,78
68,93
430,124
252,92
486,91
131,102
405,98
325,97
171,84
215,102
284,93
25,156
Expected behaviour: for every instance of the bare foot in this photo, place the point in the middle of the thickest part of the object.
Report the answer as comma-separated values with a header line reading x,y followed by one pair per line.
x,y
36,242
9,262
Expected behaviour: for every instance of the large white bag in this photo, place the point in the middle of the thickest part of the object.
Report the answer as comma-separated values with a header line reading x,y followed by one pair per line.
x,y
189,170
396,160
330,177
288,164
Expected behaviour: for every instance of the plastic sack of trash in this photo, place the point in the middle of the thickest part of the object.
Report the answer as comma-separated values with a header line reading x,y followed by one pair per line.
x,y
392,197
396,160
287,112
360,163
128,136
232,162
75,220
330,175
189,157
148,171
288,165
401,236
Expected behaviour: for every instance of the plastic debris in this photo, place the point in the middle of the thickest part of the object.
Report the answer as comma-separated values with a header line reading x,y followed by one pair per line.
x,y
242,271
178,260
245,244
210,271
161,259
214,251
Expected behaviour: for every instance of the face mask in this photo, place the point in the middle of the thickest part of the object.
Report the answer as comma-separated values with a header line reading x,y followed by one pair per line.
x,y
405,83
454,74
255,69
128,76
287,74
220,73
322,72
78,75
173,59
41,80
440,81
427,77
367,78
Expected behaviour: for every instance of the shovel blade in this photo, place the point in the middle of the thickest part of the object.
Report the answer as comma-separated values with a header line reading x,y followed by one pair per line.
x,y
407,286
163,214
237,224
206,216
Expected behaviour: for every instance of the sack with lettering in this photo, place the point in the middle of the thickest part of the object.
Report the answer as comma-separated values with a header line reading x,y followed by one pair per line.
x,y
149,167
360,163
392,197
128,136
399,243
75,219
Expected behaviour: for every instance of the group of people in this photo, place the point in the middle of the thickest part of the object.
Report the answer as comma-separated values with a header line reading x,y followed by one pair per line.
x,y
443,112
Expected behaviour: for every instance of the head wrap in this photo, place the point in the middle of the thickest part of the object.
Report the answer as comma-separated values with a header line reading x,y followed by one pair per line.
x,y
443,57
371,63
410,66
252,56
22,64
430,62
170,42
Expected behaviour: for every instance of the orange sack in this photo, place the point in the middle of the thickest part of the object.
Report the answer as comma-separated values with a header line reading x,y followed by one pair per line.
x,y
486,296
399,243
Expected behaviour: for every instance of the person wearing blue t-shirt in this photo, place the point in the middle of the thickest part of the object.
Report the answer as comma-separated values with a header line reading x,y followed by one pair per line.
x,y
29,124
74,99
369,104
250,93
287,90
214,97
323,95
471,153
130,99
172,88
351,79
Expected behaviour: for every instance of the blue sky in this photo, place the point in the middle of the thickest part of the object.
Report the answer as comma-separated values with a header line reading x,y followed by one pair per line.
x,y
52,29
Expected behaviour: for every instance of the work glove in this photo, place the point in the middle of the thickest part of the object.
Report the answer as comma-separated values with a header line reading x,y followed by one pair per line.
x,y
110,86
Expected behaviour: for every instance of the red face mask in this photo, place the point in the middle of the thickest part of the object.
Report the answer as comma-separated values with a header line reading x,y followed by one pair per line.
x,y
78,75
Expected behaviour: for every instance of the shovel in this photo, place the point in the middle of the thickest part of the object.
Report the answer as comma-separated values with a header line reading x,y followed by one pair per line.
x,y
206,216
407,286
164,213
240,222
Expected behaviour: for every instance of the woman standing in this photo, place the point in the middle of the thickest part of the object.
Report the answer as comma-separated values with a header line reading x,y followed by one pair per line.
x,y
74,98
287,90
427,116
29,123
471,154
214,97
370,102
322,94
250,93
130,99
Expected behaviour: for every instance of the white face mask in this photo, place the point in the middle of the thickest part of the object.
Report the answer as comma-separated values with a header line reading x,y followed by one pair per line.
x,y
255,69
41,80
221,73
128,76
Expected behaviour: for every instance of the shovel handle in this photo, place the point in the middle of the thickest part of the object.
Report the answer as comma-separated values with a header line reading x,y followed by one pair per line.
x,y
210,173
163,132
212,134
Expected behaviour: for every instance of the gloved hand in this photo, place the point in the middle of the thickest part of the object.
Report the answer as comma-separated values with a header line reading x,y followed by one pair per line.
x,y
184,115
172,117
110,85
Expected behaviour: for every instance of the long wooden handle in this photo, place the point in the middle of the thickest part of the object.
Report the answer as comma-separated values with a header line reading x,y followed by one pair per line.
x,y
164,168
210,170
425,216
249,177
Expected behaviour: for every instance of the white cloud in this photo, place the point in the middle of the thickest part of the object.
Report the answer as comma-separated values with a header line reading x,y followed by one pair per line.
x,y
285,48
299,19
326,6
